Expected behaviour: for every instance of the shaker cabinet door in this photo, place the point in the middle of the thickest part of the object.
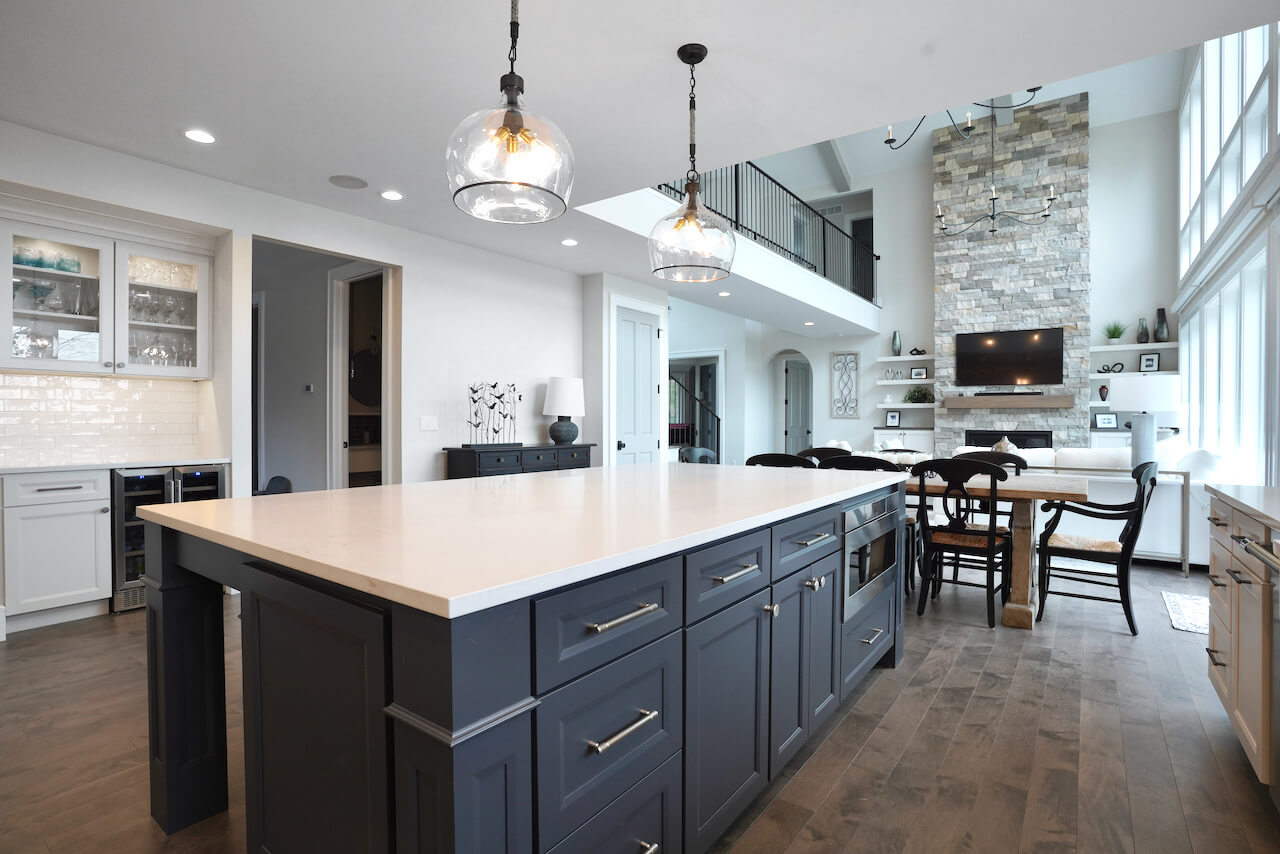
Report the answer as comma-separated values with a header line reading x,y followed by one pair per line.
x,y
56,554
1251,636
788,670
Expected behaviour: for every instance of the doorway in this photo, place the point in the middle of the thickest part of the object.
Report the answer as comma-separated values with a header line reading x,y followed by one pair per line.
x,y
637,358
695,406
797,402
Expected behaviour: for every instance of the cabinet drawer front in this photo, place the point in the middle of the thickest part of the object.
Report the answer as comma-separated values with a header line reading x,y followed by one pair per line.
x,y
1250,529
1219,660
718,576
1219,522
1219,581
864,640
574,458
648,814
499,460
801,541
602,734
592,625
539,460
53,487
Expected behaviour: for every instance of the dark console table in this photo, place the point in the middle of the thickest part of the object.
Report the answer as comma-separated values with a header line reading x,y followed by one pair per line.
x,y
482,462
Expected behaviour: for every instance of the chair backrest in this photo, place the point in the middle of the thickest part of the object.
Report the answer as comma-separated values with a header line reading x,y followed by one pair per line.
x,y
1144,477
1000,458
781,461
278,485
697,455
820,454
955,501
854,462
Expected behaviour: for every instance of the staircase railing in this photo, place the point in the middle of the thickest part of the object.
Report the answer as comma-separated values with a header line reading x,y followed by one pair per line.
x,y
768,213
691,422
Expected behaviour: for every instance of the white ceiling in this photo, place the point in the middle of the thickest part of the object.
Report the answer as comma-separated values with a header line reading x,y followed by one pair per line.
x,y
297,90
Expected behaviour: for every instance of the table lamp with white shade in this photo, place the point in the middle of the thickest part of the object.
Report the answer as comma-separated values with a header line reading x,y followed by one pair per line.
x,y
564,400
1144,395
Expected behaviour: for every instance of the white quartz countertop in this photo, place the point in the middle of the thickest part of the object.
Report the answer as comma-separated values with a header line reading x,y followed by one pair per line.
x,y
142,464
1260,502
455,547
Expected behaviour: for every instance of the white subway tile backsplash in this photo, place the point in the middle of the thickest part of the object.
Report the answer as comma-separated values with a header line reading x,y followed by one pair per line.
x,y
47,419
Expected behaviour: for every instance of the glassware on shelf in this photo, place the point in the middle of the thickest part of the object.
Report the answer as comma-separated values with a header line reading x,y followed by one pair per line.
x,y
55,301
139,304
169,307
28,256
43,346
23,299
68,263
49,258
40,290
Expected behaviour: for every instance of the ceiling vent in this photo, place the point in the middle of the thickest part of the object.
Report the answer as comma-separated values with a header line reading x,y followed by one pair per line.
x,y
830,211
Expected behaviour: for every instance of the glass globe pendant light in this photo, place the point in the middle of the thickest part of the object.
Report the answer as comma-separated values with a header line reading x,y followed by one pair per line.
x,y
506,163
692,244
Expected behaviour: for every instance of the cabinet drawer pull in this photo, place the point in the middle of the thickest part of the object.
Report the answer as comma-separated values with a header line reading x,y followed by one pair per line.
x,y
877,633
105,510
1262,553
1217,523
747,569
1215,582
772,609
602,746
645,608
1213,657
816,583
814,540
59,488
1236,577
649,848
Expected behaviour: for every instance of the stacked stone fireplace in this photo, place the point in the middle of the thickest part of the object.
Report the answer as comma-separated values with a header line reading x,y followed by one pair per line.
x,y
1022,276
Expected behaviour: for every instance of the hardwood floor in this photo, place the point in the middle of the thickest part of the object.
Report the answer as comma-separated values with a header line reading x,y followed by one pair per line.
x,y
1074,737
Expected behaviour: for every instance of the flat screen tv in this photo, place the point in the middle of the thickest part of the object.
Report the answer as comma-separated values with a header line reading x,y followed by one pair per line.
x,y
1027,357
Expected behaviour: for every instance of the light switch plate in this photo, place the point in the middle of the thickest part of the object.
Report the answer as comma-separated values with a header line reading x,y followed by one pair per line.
x,y
429,422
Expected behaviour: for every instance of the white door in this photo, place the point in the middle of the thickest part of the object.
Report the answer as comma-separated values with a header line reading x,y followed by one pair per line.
x,y
799,405
56,554
639,391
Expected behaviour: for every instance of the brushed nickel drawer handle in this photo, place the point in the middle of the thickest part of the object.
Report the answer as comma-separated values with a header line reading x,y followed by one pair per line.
x,y
1217,523
1235,576
648,848
1213,658
747,569
872,639
1261,553
602,746
59,488
645,608
819,538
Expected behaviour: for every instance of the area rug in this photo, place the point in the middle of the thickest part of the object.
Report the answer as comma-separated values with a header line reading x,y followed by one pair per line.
x,y
1187,613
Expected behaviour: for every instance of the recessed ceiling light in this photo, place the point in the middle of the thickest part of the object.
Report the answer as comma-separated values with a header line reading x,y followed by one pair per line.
x,y
348,182
568,241
723,294
201,136
808,323
392,195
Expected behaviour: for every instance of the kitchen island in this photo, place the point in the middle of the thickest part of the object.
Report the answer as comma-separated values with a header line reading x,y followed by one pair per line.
x,y
592,660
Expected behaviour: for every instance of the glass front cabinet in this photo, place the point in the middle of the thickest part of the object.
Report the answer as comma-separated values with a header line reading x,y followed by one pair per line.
x,y
86,304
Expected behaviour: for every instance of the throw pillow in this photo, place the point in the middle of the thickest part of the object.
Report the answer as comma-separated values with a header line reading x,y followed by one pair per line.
x,y
1004,446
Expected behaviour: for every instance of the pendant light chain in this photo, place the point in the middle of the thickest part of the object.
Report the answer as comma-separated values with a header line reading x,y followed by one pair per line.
x,y
515,33
693,126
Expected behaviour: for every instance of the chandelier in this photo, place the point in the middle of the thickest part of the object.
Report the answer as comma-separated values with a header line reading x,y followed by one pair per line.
x,y
891,141
1036,217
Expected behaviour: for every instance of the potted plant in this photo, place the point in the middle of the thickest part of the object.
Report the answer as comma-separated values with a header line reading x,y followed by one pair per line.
x,y
918,394
1114,331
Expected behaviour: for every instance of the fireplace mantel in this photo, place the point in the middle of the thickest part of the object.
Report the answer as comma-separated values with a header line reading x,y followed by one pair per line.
x,y
1011,401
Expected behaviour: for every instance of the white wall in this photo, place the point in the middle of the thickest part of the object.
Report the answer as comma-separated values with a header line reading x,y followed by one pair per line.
x,y
1133,210
467,314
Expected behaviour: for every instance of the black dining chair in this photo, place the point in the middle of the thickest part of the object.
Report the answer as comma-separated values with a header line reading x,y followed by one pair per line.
x,y
697,455
952,535
277,485
781,461
1117,553
1002,515
914,543
820,454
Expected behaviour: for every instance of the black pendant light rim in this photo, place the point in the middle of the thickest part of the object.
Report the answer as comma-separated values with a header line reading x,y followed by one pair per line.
x,y
564,204
692,53
718,269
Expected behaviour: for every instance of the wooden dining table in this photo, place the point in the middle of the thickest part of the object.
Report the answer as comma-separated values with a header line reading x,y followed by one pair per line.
x,y
1023,492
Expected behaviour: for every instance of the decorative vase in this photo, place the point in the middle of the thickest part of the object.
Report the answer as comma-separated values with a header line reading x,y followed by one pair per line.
x,y
1162,326
896,346
1113,340
563,431
1103,391
1144,335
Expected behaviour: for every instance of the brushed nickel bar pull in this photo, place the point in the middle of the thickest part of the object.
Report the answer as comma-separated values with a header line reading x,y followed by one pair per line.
x,y
59,488
1261,553
747,569
1213,658
648,848
1235,576
645,608
602,746
819,538
1217,523
872,639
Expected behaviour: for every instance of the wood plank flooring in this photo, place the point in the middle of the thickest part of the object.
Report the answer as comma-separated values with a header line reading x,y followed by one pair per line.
x,y
1076,737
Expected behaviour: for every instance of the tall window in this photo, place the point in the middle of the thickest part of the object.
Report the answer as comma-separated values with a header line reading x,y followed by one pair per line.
x,y
1222,372
1225,131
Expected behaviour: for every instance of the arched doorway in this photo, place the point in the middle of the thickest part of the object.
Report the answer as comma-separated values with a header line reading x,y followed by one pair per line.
x,y
794,399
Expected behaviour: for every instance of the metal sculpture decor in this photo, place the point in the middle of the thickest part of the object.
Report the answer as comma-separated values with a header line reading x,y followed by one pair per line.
x,y
844,385
493,415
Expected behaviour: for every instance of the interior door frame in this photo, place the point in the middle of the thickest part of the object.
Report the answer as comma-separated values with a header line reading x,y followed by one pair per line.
x,y
707,353
797,356
659,312
260,423
340,279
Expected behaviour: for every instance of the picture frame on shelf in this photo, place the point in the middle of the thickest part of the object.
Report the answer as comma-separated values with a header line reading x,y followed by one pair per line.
x,y
919,373
1148,362
893,418
1106,421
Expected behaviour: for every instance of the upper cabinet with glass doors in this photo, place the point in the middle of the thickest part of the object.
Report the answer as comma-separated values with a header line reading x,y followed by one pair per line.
x,y
162,306
59,308
85,304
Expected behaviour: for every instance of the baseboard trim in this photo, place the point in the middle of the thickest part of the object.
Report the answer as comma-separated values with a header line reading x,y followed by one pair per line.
x,y
53,616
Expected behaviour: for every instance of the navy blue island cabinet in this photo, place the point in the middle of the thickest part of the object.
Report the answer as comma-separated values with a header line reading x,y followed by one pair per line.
x,y
637,712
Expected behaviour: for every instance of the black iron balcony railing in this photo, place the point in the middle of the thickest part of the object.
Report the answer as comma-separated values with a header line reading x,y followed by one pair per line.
x,y
768,213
